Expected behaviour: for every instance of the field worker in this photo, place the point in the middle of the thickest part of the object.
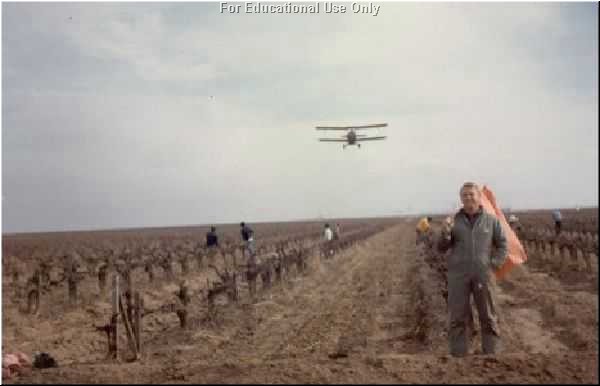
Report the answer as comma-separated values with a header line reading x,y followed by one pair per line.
x,y
422,229
471,236
336,234
513,222
557,217
212,240
248,238
328,237
328,233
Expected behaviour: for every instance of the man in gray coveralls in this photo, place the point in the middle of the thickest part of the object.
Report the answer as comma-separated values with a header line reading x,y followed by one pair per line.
x,y
471,236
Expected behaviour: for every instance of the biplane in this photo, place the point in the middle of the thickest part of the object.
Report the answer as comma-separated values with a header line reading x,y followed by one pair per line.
x,y
352,137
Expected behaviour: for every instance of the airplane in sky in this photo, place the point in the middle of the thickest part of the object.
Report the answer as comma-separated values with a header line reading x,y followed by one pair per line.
x,y
352,137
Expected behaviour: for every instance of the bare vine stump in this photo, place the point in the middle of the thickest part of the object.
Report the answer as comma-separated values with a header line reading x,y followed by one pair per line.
x,y
102,271
212,253
168,268
251,275
300,263
265,277
33,301
71,274
184,297
72,291
150,271
34,290
563,258
182,315
126,283
553,248
540,249
533,249
184,293
184,265
586,259
278,273
44,273
232,290
574,258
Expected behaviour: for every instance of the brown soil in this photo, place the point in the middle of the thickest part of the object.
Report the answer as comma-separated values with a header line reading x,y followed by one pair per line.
x,y
374,313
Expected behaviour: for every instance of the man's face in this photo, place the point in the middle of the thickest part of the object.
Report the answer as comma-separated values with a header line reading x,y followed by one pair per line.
x,y
471,199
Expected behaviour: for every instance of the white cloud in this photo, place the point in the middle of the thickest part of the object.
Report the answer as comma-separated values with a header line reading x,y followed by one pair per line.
x,y
471,91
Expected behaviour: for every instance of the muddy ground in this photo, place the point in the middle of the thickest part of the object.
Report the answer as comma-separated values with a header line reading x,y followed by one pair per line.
x,y
375,313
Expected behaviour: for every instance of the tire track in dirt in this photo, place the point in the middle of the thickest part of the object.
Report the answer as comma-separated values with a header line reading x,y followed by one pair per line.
x,y
345,316
314,305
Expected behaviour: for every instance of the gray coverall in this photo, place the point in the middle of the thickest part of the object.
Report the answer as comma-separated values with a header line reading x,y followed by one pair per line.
x,y
470,266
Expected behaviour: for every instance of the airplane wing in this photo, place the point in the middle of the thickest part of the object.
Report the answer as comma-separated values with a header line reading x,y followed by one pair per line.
x,y
351,127
332,140
371,126
332,128
370,139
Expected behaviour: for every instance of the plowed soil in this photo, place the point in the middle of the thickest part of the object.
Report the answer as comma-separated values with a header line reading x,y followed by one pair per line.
x,y
374,313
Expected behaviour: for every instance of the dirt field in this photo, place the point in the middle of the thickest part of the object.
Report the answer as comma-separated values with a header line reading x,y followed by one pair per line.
x,y
374,313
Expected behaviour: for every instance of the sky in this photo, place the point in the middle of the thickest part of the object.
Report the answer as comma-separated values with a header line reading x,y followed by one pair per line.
x,y
157,114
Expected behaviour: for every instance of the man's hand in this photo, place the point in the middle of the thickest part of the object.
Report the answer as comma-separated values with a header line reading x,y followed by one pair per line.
x,y
445,240
447,226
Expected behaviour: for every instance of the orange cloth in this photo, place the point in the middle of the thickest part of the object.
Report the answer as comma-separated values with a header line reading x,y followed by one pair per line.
x,y
515,252
423,225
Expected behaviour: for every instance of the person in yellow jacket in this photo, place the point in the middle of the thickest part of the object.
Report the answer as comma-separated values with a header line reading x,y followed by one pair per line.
x,y
423,228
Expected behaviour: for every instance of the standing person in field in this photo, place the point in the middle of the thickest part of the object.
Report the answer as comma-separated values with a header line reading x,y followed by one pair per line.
x,y
471,237
212,243
212,240
422,230
248,238
327,233
337,234
516,226
328,237
557,217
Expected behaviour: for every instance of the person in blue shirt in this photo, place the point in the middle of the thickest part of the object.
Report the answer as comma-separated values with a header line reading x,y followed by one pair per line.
x,y
557,217
248,238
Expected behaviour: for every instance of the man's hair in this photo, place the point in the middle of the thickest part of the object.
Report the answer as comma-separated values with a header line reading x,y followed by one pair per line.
x,y
326,225
467,185
242,224
212,229
429,218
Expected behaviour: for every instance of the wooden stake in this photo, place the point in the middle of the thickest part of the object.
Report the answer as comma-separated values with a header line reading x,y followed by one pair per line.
x,y
129,303
139,309
113,347
130,338
71,280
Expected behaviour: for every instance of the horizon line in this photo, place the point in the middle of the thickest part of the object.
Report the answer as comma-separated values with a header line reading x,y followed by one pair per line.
x,y
311,219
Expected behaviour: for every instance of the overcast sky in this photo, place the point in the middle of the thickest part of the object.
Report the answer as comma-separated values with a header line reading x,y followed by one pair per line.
x,y
108,120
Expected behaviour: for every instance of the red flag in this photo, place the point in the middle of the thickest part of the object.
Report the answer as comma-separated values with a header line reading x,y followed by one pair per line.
x,y
515,252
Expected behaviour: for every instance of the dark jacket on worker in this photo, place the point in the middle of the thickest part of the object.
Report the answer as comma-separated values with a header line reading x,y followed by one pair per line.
x,y
212,239
471,242
246,232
